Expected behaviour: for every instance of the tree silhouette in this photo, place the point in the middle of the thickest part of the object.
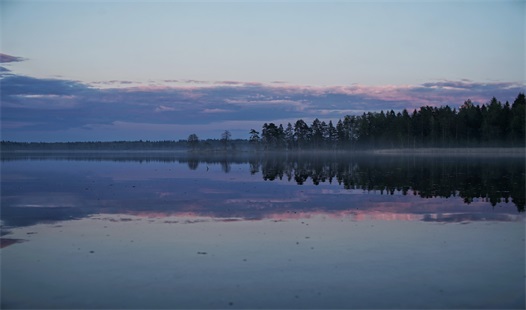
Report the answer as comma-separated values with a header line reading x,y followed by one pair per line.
x,y
254,139
492,124
193,141
225,138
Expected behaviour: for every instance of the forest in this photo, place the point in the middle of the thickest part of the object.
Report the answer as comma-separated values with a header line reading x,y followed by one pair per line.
x,y
491,125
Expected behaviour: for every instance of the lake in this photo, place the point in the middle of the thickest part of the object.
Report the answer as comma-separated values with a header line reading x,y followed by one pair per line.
x,y
148,230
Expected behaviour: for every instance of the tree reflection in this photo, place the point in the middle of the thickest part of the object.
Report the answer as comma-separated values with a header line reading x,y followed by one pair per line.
x,y
225,166
493,181
254,165
193,164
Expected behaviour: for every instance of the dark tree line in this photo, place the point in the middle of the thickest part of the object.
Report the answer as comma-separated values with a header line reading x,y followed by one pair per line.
x,y
93,145
193,143
492,124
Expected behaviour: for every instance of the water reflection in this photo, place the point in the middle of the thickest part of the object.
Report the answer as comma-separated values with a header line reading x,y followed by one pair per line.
x,y
490,179
228,232
42,188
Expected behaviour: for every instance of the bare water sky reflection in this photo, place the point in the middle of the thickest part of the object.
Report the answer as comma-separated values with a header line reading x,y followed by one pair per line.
x,y
51,188
159,231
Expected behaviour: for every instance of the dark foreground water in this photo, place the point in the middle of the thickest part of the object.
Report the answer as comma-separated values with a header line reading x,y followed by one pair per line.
x,y
156,231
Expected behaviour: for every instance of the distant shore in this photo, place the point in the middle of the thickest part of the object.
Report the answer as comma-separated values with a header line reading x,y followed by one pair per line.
x,y
466,151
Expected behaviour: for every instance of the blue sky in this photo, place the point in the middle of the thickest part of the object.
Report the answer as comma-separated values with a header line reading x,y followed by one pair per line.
x,y
112,70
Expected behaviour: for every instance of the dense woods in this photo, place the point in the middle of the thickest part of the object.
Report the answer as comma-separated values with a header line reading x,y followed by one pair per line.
x,y
492,124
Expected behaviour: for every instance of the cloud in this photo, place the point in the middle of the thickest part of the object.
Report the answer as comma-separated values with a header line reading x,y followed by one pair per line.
x,y
215,111
163,108
268,102
195,82
229,83
323,112
4,58
13,85
36,109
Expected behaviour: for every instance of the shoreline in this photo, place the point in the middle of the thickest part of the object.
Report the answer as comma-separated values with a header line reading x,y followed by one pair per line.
x,y
465,151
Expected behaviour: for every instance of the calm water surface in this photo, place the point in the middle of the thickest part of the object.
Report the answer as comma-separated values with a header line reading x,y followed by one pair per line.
x,y
125,231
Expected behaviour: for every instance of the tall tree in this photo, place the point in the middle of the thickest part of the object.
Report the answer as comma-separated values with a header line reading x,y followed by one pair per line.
x,y
333,135
225,138
254,139
289,136
340,133
317,134
517,126
270,136
281,142
193,141
302,133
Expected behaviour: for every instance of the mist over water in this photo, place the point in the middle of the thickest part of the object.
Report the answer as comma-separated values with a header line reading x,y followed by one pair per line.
x,y
267,231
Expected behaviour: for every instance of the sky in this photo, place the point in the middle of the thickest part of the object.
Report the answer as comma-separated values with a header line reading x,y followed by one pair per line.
x,y
161,70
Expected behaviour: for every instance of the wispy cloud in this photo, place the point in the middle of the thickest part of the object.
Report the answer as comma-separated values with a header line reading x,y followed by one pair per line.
x,y
4,58
163,108
59,109
215,111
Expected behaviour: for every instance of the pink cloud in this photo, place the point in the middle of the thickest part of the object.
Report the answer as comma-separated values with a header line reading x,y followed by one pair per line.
x,y
163,108
414,96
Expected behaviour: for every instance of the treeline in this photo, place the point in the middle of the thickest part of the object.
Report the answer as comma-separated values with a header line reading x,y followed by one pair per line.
x,y
492,124
139,145
93,145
